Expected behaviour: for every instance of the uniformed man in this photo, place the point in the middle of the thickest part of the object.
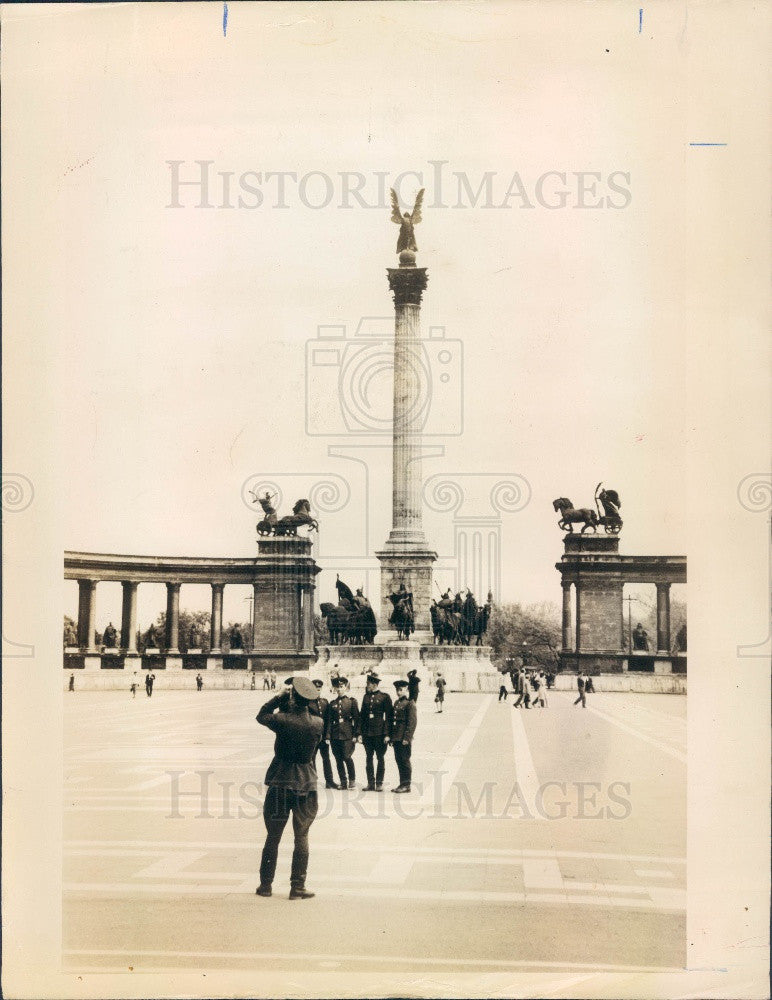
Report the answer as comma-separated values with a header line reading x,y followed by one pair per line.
x,y
290,781
375,721
402,732
342,730
413,681
320,708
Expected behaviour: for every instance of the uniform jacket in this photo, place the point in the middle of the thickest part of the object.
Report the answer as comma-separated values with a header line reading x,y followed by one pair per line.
x,y
297,737
376,716
319,708
405,720
342,719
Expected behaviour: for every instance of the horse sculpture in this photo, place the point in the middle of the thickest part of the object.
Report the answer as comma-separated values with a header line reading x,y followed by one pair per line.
x,y
288,525
350,621
457,622
402,617
570,516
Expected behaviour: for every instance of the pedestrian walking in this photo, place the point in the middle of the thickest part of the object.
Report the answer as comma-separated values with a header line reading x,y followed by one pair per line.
x,y
403,728
439,698
149,681
524,695
320,708
375,721
266,681
581,687
273,680
538,684
71,685
199,682
588,685
503,690
342,730
291,782
413,682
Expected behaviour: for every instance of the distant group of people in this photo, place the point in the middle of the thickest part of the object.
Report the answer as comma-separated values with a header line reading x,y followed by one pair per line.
x,y
269,680
529,685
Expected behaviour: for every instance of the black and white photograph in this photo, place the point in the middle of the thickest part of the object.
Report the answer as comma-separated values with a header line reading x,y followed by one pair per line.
x,y
386,499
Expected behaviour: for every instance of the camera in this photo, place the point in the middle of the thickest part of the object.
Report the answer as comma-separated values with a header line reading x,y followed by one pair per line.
x,y
349,381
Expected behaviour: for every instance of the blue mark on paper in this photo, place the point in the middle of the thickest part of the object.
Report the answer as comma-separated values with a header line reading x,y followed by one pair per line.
x,y
708,144
224,19
640,20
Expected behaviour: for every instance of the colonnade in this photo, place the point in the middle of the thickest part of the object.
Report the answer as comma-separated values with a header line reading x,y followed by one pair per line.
x,y
128,637
570,637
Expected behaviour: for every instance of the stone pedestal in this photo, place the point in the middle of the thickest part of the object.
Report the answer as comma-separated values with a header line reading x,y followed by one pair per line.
x,y
413,567
285,574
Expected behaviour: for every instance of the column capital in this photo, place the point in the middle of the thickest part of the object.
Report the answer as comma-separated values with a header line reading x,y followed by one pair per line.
x,y
407,284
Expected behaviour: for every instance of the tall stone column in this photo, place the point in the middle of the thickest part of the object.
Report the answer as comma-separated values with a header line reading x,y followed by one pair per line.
x,y
663,617
215,627
172,618
86,614
129,617
566,617
406,558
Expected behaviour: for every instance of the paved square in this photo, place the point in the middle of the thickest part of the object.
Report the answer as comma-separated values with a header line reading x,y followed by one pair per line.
x,y
547,839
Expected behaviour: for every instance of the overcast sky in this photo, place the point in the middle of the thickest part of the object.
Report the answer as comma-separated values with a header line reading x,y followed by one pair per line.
x,y
177,336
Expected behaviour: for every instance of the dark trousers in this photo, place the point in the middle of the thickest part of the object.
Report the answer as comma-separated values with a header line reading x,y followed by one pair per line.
x,y
279,803
582,699
502,693
342,751
375,745
402,757
527,696
324,750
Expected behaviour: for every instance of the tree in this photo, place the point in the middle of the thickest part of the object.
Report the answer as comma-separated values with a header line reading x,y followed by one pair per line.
x,y
535,625
200,620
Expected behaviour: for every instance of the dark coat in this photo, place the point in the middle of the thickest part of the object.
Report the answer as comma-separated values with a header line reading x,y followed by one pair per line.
x,y
405,720
297,737
342,719
376,715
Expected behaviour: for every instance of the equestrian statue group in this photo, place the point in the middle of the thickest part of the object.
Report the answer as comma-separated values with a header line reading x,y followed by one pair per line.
x,y
460,620
352,620
272,524
609,520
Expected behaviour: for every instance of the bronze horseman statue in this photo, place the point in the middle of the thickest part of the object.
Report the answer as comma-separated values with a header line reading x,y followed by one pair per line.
x,y
459,620
403,616
352,620
407,247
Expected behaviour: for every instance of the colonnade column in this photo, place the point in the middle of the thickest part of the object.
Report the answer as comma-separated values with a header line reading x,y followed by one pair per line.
x,y
215,632
129,617
172,618
86,614
578,618
566,617
663,617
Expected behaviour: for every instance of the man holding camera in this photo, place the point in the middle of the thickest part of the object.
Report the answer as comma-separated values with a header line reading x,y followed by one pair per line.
x,y
290,781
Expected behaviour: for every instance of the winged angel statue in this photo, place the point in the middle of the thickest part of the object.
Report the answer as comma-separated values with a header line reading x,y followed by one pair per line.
x,y
406,221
